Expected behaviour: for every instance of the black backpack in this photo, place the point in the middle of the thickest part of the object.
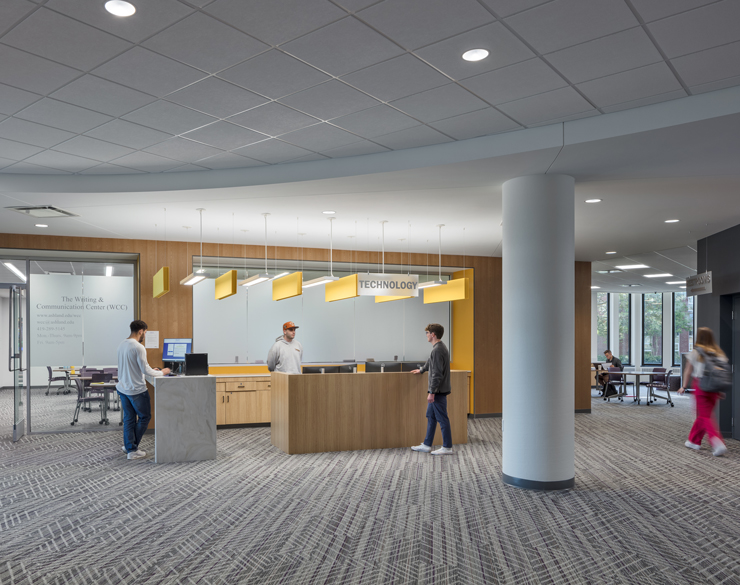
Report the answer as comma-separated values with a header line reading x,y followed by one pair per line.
x,y
717,376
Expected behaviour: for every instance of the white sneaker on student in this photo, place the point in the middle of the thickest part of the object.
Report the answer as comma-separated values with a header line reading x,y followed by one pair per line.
x,y
719,449
443,451
136,454
423,448
691,445
124,449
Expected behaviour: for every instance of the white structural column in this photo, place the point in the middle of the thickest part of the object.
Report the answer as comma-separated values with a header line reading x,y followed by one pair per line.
x,y
538,331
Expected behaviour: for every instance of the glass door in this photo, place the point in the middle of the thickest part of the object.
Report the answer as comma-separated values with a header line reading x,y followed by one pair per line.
x,y
16,350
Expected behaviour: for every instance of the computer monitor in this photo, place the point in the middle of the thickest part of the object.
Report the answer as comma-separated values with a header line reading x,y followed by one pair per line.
x,y
174,350
196,364
331,369
349,369
410,366
382,367
311,370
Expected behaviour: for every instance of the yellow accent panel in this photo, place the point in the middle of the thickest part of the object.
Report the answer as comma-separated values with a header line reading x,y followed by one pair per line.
x,y
463,333
361,367
382,299
454,290
238,370
226,285
287,287
344,288
161,282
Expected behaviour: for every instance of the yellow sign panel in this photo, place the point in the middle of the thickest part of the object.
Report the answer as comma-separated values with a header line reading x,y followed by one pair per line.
x,y
385,299
161,282
226,285
287,286
344,288
454,290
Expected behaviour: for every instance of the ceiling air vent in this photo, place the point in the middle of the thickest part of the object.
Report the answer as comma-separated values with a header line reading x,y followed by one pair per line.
x,y
43,211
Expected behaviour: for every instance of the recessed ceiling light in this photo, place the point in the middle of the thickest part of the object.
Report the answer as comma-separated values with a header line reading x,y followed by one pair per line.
x,y
475,55
675,282
595,287
41,225
631,266
593,200
120,8
611,252
671,221
657,275
328,212
629,285
109,271
682,286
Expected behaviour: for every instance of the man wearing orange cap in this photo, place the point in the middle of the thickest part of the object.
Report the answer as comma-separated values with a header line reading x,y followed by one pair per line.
x,y
286,355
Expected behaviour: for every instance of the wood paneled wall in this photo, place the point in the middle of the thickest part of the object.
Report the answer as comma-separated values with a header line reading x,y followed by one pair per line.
x,y
583,337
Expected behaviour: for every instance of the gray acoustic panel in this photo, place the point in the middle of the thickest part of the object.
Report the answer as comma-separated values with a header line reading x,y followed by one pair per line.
x,y
61,161
225,136
329,100
656,9
102,95
474,124
307,158
216,97
654,99
6,162
605,56
62,115
578,116
189,168
630,85
145,161
229,160
272,151
504,8
412,138
24,168
715,85
343,47
273,119
320,137
13,99
355,149
92,148
375,121
11,11
204,42
414,24
109,169
515,82
183,150
548,106
564,23
503,47
169,117
439,103
15,151
279,20
710,65
258,74
51,35
396,78
148,72
128,134
32,73
31,133
355,5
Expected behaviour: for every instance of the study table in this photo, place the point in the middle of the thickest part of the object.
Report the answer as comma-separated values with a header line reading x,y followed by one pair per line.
x,y
638,373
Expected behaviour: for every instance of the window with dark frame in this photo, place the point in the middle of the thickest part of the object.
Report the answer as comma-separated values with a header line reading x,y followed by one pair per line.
x,y
624,321
602,324
652,329
683,325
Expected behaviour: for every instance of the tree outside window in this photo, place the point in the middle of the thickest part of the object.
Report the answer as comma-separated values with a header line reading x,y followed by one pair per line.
x,y
624,318
602,323
652,329
683,325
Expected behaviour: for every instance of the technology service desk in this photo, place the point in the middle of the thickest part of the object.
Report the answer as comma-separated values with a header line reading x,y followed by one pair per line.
x,y
346,412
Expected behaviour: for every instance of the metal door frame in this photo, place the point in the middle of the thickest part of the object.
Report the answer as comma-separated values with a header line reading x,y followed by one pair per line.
x,y
26,429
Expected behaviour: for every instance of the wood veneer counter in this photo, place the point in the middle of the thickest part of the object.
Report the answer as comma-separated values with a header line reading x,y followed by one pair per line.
x,y
346,412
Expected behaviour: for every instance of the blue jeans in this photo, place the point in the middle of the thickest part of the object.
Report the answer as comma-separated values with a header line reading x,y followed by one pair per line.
x,y
437,413
135,406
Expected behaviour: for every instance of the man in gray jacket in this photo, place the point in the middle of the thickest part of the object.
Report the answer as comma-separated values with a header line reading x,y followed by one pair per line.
x,y
287,353
438,366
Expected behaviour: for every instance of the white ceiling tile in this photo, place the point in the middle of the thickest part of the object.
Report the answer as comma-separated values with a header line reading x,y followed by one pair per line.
x,y
355,5
150,17
396,78
655,9
630,85
13,100
17,150
503,47
715,85
5,162
61,115
655,99
148,72
504,8
169,117
412,138
186,169
101,95
30,133
320,137
342,47
228,160
272,151
474,124
308,158
279,20
360,148
61,161
710,65
183,150
559,120
92,148
145,161
216,97
415,23
514,82
703,28
563,23
273,119
374,122
11,11
439,103
108,169
329,100
225,136
258,75
611,54
547,106
25,168
128,134
32,73
54,36
205,43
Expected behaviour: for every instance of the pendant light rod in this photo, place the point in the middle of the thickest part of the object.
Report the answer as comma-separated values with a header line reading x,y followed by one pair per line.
x,y
331,246
265,216
440,226
382,239
201,210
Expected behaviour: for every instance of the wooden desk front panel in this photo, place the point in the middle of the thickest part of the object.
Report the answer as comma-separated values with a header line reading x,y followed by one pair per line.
x,y
346,412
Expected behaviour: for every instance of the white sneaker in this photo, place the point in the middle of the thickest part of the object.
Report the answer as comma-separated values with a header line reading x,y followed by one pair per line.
x,y
443,451
691,445
423,448
719,449
136,454
124,449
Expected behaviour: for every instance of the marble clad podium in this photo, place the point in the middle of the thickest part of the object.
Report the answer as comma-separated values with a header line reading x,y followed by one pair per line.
x,y
186,418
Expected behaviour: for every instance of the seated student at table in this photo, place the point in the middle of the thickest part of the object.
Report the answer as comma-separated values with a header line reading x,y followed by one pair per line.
x,y
614,362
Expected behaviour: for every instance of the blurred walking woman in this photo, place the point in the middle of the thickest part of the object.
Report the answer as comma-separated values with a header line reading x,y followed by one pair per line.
x,y
705,346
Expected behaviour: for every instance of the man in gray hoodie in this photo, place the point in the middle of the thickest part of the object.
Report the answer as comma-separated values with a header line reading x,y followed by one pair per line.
x,y
287,353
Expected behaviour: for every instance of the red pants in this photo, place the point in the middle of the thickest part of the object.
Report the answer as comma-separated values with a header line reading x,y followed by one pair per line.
x,y
705,423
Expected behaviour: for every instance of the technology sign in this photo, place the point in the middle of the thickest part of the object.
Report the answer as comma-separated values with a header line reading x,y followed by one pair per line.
x,y
375,285
700,284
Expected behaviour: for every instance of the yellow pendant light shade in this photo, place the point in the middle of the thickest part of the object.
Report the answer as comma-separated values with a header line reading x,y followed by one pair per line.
x,y
287,287
344,288
226,285
161,282
454,290
385,299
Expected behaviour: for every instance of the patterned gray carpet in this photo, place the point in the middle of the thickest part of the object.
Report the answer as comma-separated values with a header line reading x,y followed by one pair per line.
x,y
645,509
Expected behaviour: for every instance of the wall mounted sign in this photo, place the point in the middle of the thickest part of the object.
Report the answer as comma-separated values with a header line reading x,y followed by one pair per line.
x,y
374,285
701,284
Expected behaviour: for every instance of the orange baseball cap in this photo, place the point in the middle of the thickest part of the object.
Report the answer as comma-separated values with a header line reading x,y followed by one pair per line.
x,y
289,325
